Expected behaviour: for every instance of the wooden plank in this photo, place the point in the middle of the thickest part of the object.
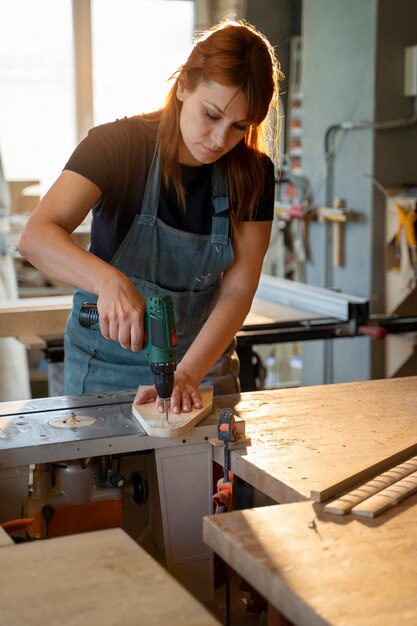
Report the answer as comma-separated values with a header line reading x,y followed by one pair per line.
x,y
319,572
344,504
32,342
94,578
34,316
155,423
385,499
371,468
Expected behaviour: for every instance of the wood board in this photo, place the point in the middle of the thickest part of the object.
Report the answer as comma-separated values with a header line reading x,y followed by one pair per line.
x,y
345,504
155,423
370,468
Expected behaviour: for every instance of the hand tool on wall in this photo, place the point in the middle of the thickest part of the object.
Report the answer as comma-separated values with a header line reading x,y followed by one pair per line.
x,y
160,344
407,221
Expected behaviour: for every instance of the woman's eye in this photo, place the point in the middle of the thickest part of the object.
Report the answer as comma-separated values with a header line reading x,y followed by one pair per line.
x,y
211,116
243,129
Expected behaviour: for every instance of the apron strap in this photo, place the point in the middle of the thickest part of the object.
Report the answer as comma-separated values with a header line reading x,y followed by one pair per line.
x,y
151,196
220,198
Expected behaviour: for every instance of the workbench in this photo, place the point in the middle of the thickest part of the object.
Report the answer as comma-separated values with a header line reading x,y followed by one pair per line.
x,y
316,568
304,438
321,570
300,440
101,578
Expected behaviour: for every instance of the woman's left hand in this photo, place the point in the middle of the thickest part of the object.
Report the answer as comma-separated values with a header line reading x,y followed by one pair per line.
x,y
185,396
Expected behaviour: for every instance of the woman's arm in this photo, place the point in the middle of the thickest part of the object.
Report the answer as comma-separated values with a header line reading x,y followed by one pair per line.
x,y
238,288
47,244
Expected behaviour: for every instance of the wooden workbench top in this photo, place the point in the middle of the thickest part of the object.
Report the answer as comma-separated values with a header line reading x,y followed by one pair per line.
x,y
101,578
323,570
303,438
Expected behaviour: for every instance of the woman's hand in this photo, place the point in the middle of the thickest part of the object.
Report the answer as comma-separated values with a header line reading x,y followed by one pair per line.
x,y
185,396
122,309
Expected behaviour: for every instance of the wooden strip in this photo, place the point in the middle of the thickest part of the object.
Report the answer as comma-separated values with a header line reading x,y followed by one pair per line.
x,y
32,342
344,504
178,425
34,316
387,498
364,472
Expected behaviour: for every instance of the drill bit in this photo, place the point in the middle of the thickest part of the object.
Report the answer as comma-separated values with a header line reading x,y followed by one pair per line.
x,y
166,409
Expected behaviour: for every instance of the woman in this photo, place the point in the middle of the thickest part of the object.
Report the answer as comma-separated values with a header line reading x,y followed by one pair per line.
x,y
182,203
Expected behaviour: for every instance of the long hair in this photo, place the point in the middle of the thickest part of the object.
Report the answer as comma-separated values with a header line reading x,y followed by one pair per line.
x,y
233,54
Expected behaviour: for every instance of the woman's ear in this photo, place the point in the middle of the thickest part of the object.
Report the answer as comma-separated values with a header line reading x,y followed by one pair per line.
x,y
180,91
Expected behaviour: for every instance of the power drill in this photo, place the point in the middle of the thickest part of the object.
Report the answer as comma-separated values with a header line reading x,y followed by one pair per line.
x,y
160,343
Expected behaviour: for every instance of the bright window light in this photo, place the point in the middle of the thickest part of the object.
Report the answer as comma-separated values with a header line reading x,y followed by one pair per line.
x,y
37,123
137,45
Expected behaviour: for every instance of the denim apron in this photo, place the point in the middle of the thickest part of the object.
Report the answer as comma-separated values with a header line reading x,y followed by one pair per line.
x,y
158,259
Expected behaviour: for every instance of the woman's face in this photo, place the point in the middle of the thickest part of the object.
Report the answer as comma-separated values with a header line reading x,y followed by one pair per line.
x,y
212,122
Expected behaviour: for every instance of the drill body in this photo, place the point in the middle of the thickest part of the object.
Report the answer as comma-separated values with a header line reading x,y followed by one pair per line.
x,y
160,344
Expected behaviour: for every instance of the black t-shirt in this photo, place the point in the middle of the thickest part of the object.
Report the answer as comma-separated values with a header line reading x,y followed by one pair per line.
x,y
117,157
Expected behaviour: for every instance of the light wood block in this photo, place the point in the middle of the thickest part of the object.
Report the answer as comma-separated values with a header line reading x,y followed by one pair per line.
x,y
385,499
155,423
344,504
100,578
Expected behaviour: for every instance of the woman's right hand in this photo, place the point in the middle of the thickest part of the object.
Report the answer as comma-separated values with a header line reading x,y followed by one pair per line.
x,y
47,244
122,309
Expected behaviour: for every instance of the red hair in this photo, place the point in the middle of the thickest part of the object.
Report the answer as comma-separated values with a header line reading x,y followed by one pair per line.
x,y
232,54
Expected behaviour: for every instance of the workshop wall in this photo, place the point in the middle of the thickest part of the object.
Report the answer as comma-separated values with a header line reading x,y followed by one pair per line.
x,y
352,70
353,56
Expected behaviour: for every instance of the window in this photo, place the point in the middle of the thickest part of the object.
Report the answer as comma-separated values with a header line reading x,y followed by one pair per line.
x,y
135,51
37,120
136,45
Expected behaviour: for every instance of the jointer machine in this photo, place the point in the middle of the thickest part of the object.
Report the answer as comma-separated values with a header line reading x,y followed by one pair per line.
x,y
78,463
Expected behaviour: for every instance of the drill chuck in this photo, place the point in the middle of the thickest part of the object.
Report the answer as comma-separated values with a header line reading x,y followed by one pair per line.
x,y
163,376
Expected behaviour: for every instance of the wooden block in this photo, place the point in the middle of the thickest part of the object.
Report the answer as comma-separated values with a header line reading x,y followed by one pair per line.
x,y
32,342
343,505
387,498
156,425
34,316
383,463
